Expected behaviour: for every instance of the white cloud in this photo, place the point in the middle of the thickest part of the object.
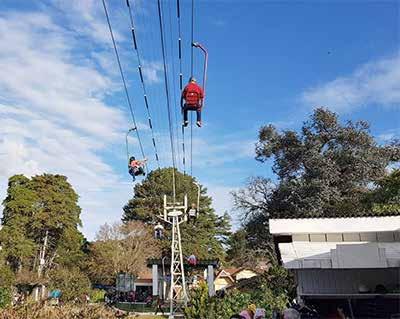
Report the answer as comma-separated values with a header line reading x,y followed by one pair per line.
x,y
211,152
53,115
87,18
375,83
152,72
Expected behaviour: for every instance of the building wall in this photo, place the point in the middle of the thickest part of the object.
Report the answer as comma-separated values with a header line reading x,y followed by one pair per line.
x,y
344,281
384,237
245,274
221,283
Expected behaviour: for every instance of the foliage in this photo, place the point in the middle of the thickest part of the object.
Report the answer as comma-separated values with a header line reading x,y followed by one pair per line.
x,y
7,277
385,199
72,282
17,247
68,311
40,214
241,252
203,307
254,202
5,297
280,281
97,295
204,237
200,303
325,170
121,248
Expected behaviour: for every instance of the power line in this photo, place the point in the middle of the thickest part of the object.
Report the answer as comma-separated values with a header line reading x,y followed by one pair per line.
x,y
172,63
191,113
168,99
146,102
124,82
181,79
192,40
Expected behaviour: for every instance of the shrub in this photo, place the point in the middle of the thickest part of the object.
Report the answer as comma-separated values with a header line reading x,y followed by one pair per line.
x,y
5,297
97,295
261,293
72,282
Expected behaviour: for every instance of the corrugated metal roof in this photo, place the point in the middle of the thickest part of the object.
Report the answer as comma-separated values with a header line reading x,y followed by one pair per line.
x,y
334,225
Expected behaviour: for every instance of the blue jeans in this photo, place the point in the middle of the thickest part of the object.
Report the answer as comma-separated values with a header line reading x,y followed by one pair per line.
x,y
136,172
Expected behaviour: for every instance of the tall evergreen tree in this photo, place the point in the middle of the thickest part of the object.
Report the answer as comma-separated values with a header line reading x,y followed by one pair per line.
x,y
204,237
40,223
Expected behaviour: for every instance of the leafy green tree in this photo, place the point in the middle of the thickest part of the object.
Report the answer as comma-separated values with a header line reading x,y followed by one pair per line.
x,y
204,237
72,282
260,294
200,303
324,170
18,210
385,199
239,253
40,222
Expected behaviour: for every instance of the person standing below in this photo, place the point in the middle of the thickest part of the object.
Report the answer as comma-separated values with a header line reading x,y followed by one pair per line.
x,y
249,312
291,314
192,100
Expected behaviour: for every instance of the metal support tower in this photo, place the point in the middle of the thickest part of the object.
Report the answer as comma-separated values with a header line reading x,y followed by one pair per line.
x,y
175,214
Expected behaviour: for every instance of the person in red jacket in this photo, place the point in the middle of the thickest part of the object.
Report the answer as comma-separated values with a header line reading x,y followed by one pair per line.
x,y
192,100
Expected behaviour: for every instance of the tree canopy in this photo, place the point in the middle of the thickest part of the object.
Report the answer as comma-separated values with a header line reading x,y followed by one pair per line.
x,y
40,221
385,199
204,237
327,169
121,248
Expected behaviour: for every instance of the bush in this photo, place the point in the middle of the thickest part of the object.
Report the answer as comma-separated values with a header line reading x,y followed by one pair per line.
x,y
7,277
68,311
203,307
5,297
97,295
72,282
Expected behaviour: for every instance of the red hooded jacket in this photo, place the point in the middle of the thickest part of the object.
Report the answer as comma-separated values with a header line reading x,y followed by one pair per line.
x,y
192,93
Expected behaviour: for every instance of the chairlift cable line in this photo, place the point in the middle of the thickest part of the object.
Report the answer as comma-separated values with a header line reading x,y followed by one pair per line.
x,y
181,79
168,100
146,101
172,63
191,113
124,82
192,40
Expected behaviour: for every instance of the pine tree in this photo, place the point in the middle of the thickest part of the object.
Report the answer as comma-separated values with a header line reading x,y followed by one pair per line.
x,y
203,237
40,221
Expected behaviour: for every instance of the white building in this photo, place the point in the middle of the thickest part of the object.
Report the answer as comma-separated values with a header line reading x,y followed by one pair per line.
x,y
355,261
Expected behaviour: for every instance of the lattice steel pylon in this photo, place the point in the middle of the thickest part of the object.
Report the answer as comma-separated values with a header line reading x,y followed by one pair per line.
x,y
175,214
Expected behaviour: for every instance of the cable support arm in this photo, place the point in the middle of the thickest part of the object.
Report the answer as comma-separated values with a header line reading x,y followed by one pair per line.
x,y
202,48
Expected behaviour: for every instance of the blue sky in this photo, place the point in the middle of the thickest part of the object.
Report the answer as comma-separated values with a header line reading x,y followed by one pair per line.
x,y
62,108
